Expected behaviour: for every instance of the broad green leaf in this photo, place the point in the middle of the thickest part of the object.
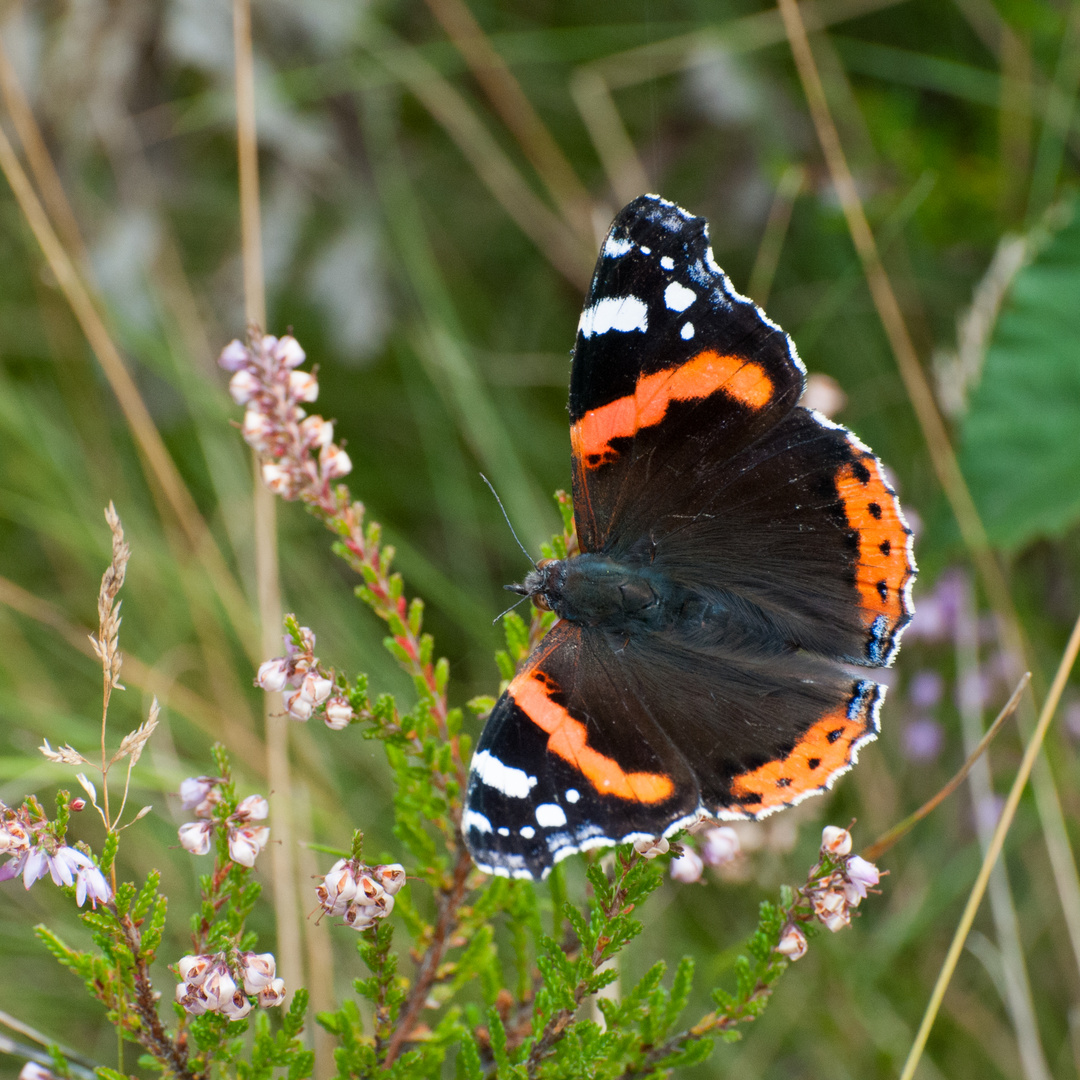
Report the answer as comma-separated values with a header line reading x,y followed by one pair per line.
x,y
1020,447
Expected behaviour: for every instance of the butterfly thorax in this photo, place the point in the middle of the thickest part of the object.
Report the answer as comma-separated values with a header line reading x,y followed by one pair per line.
x,y
600,591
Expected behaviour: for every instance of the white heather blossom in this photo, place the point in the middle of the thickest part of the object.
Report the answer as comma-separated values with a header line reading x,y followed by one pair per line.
x,y
299,706
195,790
259,971
277,478
253,808
652,846
339,713
273,675
719,845
256,429
334,462
303,386
13,839
218,986
792,943
831,907
194,968
289,352
687,867
391,876
272,995
91,883
195,836
236,1007
234,356
316,688
244,385
65,864
246,843
337,890
317,431
193,999
835,841
861,875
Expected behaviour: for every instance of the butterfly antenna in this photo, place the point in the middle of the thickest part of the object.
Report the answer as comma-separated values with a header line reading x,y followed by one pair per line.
x,y
517,603
506,517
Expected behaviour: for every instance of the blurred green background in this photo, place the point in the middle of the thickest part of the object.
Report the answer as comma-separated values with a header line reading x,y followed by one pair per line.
x,y
429,249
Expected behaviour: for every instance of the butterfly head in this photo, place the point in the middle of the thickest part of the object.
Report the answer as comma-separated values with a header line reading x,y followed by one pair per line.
x,y
541,583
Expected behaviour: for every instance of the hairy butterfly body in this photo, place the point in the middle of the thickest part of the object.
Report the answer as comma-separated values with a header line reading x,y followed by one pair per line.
x,y
739,555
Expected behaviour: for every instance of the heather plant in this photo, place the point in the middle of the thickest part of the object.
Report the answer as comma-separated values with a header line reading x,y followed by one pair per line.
x,y
507,965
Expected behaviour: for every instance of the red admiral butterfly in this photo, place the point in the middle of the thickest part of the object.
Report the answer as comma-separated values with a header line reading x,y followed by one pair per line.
x,y
737,551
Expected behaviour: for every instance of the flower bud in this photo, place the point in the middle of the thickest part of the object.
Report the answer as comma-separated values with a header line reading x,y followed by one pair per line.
x,y
77,805
253,808
272,995
299,706
193,969
289,352
317,431
303,386
650,847
273,675
259,970
792,943
339,713
688,867
234,356
244,385
195,790
256,429
195,837
835,841
391,877
334,462
236,1007
719,845
246,843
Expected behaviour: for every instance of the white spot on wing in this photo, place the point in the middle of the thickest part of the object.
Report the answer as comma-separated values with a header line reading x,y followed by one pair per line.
x,y
527,831
572,795
687,331
667,262
504,831
550,815
646,250
471,819
678,297
613,247
513,783
624,313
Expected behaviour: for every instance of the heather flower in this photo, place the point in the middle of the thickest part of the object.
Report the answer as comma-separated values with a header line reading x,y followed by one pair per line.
x,y
687,867
339,713
925,689
195,836
334,462
195,792
273,675
651,846
243,386
234,356
719,845
272,995
832,908
237,1007
91,883
193,969
258,970
835,841
245,843
35,864
861,876
14,839
33,1071
299,706
923,739
391,876
218,986
253,808
792,943
337,890
288,351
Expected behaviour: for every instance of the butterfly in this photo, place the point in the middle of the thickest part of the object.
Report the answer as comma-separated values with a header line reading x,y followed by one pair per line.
x,y
743,561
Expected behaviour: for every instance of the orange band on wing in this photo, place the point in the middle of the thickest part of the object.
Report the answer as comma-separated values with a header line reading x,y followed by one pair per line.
x,y
823,752
739,378
568,740
883,568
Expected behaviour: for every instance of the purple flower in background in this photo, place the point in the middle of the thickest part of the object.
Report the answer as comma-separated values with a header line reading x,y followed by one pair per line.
x,y
925,689
923,739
